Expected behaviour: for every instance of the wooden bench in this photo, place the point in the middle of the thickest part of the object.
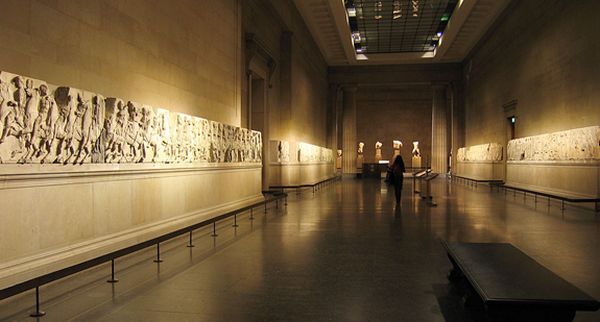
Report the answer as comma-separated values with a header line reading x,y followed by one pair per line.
x,y
512,286
558,196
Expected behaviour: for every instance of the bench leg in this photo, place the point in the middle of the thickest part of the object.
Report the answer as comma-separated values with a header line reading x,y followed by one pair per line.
x,y
455,273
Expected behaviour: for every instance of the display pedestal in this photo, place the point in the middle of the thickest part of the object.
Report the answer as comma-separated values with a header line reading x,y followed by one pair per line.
x,y
396,153
377,155
338,163
416,162
359,165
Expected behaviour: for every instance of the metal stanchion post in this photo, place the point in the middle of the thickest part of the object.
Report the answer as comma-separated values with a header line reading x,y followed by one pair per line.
x,y
158,259
37,312
235,221
112,272
214,234
190,243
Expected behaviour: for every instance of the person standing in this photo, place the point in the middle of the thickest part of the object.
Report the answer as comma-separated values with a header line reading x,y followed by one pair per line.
x,y
397,170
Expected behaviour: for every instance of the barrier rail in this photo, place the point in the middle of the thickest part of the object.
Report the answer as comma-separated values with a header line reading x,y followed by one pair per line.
x,y
53,276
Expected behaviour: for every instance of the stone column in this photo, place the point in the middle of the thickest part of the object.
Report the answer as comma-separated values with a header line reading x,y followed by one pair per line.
x,y
332,118
439,130
349,144
285,85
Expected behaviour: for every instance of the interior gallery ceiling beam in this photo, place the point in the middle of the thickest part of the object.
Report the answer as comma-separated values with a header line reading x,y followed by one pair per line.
x,y
330,25
416,74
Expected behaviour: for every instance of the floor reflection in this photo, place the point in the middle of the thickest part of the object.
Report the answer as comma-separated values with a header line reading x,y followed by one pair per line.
x,y
346,253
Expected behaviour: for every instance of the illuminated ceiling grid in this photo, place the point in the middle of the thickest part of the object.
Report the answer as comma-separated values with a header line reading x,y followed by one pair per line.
x,y
398,26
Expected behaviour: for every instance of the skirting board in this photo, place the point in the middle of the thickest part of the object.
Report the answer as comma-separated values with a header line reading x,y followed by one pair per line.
x,y
53,221
481,170
297,173
574,178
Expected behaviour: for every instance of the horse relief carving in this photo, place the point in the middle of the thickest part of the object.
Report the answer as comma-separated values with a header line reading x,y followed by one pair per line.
x,y
40,123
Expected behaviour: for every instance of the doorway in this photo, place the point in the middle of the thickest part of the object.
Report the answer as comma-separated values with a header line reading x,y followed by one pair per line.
x,y
256,117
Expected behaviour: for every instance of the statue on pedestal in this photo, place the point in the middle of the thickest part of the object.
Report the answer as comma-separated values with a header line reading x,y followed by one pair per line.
x,y
416,158
378,146
338,161
359,156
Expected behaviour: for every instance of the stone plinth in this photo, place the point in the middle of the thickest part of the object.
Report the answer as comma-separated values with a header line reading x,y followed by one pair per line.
x,y
416,162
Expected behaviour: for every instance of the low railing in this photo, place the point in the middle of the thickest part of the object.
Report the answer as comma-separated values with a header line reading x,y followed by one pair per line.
x,y
53,276
298,187
557,196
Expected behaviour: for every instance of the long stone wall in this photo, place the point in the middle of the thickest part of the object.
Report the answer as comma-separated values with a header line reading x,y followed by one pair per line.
x,y
82,175
565,162
481,162
293,163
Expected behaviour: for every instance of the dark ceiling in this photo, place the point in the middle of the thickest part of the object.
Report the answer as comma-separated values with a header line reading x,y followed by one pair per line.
x,y
398,26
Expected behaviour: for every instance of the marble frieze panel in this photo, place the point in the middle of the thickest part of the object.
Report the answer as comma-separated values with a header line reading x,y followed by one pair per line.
x,y
308,153
482,152
581,144
48,124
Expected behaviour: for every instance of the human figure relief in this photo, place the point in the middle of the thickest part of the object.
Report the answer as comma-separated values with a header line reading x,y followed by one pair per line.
x,y
133,135
63,124
148,134
78,147
40,141
116,146
98,110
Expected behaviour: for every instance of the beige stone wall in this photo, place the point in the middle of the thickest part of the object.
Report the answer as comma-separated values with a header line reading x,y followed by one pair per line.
x,y
297,99
132,49
385,114
543,54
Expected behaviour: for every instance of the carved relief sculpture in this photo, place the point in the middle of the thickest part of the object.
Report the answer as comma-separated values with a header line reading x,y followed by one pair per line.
x,y
314,154
581,144
41,123
482,152
283,151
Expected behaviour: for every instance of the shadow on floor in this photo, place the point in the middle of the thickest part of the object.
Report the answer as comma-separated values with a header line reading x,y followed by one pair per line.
x,y
450,300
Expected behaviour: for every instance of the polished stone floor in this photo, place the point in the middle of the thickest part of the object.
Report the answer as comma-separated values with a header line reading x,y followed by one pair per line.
x,y
348,253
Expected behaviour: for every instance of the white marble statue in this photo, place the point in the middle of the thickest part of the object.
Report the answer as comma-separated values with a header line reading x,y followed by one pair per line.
x,y
397,144
416,152
361,147
42,123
